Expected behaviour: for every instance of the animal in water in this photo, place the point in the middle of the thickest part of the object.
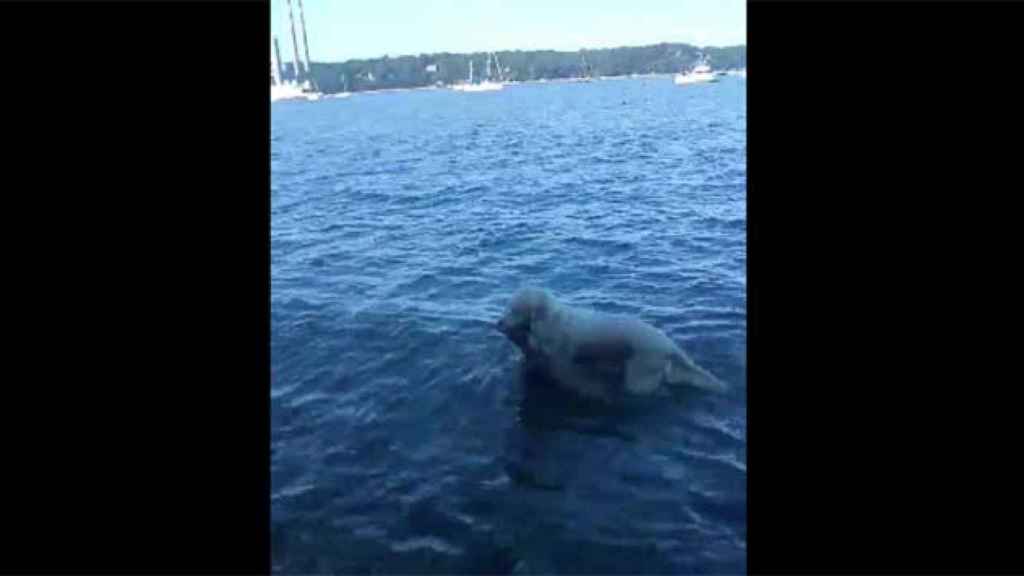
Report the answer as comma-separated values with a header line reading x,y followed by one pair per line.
x,y
596,354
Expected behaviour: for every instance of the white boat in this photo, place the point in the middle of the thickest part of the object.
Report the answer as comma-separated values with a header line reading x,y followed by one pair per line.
x,y
286,91
486,85
291,91
700,74
281,89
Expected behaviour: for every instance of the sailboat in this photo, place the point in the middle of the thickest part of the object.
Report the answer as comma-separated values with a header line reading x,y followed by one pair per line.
x,y
279,88
588,75
487,85
299,87
344,89
501,71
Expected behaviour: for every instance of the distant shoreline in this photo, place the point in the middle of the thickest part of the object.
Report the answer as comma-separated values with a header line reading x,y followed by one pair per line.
x,y
427,71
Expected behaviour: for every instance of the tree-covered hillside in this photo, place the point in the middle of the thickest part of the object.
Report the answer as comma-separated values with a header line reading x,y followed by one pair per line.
x,y
518,65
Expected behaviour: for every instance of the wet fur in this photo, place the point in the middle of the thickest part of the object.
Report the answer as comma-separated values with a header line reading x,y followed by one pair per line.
x,y
598,355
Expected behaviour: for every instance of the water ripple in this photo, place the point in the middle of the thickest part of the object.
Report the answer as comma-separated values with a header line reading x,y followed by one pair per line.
x,y
405,438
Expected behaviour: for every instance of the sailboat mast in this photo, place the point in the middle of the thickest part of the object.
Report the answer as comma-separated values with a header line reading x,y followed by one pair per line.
x,y
501,73
275,71
278,73
471,71
305,40
295,43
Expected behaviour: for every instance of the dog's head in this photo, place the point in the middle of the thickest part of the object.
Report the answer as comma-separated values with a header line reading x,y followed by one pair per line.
x,y
527,307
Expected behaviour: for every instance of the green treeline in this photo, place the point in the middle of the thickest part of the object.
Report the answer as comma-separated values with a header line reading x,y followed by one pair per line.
x,y
518,65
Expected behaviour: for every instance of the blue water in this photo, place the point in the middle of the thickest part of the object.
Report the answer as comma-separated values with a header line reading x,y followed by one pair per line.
x,y
405,437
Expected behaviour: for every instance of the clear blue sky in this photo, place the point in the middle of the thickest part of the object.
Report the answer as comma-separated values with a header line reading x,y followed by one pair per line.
x,y
343,29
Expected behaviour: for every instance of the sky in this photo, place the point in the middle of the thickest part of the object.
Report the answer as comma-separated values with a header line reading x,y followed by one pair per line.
x,y
340,30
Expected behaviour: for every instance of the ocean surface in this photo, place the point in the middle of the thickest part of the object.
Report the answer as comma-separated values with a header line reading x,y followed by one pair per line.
x,y
406,438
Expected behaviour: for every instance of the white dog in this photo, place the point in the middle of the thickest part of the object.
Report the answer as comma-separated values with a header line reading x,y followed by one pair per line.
x,y
598,355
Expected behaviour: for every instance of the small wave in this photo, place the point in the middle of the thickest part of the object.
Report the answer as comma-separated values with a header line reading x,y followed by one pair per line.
x,y
727,460
426,543
726,427
292,491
